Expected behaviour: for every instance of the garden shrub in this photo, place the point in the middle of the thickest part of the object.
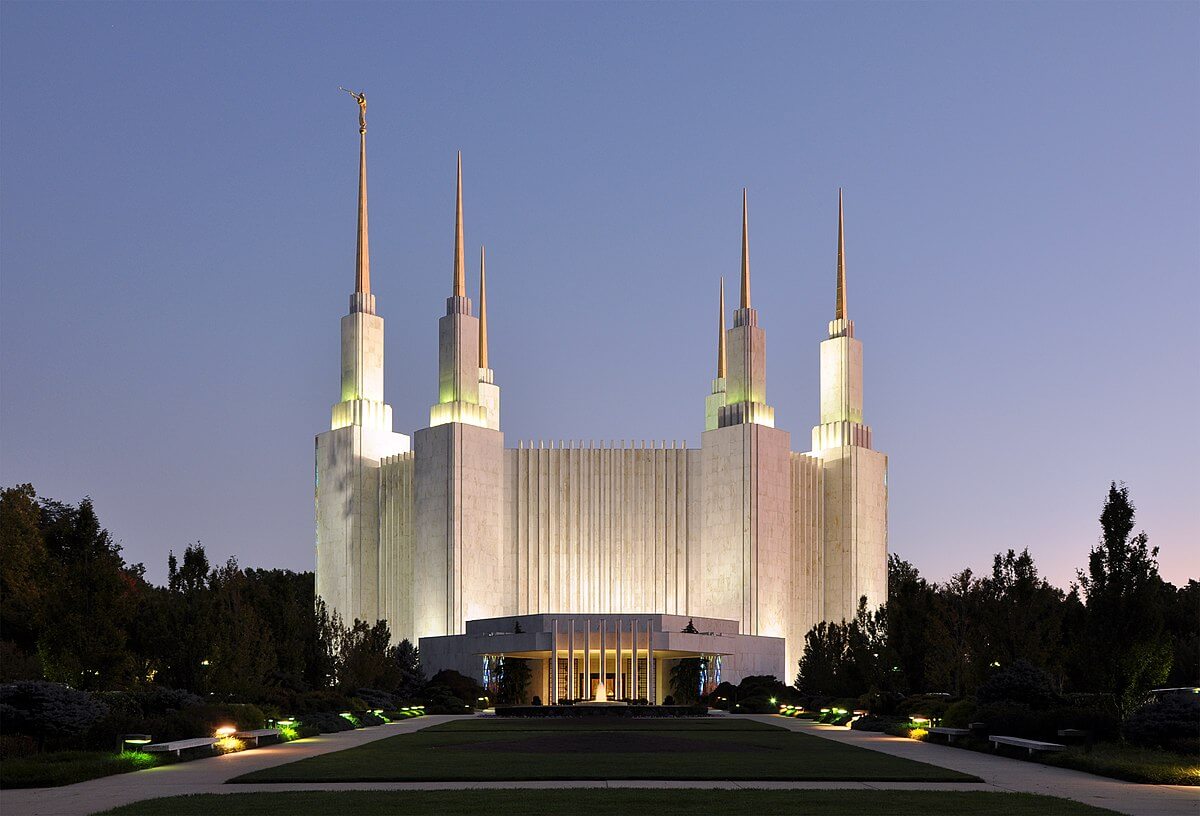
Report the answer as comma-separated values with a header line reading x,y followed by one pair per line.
x,y
144,711
14,746
1012,720
368,719
325,722
923,705
1101,723
316,702
758,705
880,723
1022,682
375,698
960,714
1172,723
50,712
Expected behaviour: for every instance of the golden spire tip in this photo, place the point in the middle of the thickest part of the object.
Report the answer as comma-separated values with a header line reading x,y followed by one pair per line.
x,y
745,254
483,338
460,263
721,368
839,312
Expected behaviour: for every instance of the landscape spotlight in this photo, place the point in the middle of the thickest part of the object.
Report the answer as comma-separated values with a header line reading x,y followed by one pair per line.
x,y
132,739
226,731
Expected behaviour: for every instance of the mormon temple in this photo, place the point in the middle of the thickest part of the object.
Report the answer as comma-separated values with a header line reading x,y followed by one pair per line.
x,y
601,563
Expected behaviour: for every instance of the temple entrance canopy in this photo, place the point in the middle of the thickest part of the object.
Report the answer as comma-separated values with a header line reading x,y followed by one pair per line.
x,y
629,656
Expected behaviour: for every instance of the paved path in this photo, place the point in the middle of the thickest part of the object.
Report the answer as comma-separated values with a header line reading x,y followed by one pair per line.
x,y
1007,774
197,776
1000,774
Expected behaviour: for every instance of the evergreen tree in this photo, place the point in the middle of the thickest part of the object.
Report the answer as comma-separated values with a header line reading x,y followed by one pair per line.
x,y
1125,600
909,607
514,680
951,661
685,681
84,640
23,568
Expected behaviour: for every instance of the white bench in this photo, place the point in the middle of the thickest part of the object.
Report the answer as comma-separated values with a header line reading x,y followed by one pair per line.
x,y
1033,746
178,746
951,734
257,734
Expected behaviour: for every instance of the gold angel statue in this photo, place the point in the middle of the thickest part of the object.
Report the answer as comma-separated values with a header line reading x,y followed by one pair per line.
x,y
361,99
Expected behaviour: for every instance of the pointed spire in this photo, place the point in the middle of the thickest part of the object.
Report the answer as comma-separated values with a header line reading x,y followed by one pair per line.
x,y
745,254
483,344
721,334
460,263
839,311
362,264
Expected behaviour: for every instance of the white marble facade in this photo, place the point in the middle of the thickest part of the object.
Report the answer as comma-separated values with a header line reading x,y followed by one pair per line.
x,y
456,527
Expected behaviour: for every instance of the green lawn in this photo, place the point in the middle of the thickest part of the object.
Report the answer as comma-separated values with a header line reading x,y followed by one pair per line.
x,y
677,802
67,767
498,749
708,724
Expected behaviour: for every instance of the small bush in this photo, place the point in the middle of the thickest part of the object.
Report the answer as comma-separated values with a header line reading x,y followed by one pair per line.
x,y
368,719
316,702
1022,682
1101,723
757,705
376,698
876,723
1172,723
1012,720
960,714
325,722
923,705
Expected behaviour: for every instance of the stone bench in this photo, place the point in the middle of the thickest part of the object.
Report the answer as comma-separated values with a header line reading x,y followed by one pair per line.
x,y
951,734
1033,746
179,746
258,734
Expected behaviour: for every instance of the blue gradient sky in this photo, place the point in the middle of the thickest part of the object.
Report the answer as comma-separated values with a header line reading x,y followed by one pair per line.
x,y
1022,202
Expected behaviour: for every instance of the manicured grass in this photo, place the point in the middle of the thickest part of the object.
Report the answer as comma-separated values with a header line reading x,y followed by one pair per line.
x,y
683,750
708,724
660,802
67,767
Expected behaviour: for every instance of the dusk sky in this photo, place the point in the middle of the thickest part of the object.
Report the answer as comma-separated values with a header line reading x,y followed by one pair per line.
x,y
1022,182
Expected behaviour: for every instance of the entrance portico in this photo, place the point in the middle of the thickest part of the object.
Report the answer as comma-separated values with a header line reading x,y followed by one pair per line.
x,y
632,654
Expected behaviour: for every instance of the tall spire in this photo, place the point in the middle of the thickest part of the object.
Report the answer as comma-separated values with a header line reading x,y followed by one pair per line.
x,y
362,266
460,263
721,335
839,312
745,254
483,343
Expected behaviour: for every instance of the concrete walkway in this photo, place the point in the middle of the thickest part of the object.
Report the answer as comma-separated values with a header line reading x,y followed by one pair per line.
x,y
1000,774
1007,774
197,776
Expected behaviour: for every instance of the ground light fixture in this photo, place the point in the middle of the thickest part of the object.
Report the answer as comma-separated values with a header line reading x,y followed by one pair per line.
x,y
225,731
132,739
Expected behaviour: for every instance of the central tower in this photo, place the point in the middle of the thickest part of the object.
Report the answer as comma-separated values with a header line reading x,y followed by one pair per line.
x,y
459,469
747,496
